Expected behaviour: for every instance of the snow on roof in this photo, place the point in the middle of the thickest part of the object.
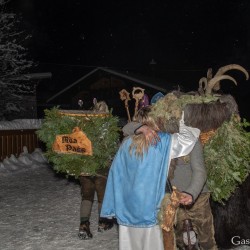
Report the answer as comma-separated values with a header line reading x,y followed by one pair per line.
x,y
21,124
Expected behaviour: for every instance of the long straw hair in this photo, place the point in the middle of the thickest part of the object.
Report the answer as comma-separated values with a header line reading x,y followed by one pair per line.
x,y
139,142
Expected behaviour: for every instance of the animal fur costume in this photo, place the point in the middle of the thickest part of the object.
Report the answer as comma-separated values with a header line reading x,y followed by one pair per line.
x,y
226,148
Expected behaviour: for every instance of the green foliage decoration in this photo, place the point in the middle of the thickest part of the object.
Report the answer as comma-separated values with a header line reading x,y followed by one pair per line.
x,y
170,106
102,131
227,158
226,154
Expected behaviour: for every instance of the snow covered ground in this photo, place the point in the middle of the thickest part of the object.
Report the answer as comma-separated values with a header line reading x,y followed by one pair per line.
x,y
39,210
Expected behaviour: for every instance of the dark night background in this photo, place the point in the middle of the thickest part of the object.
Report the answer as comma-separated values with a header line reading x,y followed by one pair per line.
x,y
184,38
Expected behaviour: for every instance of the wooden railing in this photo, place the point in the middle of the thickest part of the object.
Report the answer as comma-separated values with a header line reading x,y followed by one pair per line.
x,y
13,141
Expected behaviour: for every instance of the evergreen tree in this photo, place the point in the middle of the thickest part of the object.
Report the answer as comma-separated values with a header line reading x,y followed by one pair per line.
x,y
13,64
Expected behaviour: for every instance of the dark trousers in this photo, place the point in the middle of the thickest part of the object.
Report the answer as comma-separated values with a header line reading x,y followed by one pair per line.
x,y
89,186
202,219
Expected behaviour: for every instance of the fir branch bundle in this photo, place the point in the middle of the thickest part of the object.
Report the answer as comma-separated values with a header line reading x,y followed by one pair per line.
x,y
227,159
102,131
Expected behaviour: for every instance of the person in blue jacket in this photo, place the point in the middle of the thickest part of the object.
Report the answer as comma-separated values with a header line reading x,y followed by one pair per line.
x,y
137,179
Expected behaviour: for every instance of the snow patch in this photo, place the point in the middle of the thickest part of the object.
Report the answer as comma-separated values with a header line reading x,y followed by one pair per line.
x,y
23,162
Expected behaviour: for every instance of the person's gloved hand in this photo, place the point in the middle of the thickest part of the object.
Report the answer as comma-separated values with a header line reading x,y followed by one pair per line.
x,y
186,199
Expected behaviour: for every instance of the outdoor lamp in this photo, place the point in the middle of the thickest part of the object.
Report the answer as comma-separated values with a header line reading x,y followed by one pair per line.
x,y
189,236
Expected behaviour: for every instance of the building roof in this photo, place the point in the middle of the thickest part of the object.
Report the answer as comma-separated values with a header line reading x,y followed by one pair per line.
x,y
152,83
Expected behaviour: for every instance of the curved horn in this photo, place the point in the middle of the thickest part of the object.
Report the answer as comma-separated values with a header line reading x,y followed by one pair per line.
x,y
209,74
226,68
202,85
215,80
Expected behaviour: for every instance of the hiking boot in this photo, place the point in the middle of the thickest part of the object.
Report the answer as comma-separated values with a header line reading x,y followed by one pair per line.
x,y
84,231
105,224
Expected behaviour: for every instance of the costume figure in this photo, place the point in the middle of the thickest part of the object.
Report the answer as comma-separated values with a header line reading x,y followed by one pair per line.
x,y
136,183
226,146
86,153
189,176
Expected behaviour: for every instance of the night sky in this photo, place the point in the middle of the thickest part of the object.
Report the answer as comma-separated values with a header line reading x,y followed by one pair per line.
x,y
185,37
130,33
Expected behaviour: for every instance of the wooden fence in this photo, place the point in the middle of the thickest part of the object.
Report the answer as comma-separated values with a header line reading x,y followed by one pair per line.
x,y
13,141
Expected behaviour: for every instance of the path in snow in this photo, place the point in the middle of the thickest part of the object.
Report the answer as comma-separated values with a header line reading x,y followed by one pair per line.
x,y
39,210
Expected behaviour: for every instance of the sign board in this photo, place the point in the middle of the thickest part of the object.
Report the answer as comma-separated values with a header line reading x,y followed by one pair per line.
x,y
75,143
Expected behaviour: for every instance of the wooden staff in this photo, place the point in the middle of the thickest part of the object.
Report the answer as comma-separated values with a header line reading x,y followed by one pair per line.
x,y
137,94
124,96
